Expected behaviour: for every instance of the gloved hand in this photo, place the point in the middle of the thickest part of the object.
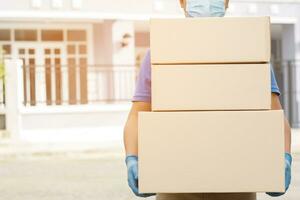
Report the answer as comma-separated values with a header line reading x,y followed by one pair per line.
x,y
132,170
288,163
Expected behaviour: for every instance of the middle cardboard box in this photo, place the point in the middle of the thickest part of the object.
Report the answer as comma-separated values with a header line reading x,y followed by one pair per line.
x,y
211,87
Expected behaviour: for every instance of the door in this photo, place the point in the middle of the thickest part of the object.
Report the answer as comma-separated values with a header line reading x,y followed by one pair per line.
x,y
55,73
29,54
42,72
77,73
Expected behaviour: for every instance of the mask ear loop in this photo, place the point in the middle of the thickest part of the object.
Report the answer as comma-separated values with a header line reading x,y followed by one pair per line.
x,y
226,3
183,6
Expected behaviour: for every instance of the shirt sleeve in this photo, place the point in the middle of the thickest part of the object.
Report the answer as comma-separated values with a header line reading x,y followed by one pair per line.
x,y
274,85
143,85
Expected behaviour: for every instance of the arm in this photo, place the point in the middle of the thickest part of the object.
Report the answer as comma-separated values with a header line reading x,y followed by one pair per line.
x,y
131,127
287,130
287,141
131,146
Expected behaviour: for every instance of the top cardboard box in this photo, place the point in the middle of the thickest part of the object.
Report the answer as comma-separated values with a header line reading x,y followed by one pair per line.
x,y
210,40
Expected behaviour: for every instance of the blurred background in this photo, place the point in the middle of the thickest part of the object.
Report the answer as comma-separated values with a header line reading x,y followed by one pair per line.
x,y
63,108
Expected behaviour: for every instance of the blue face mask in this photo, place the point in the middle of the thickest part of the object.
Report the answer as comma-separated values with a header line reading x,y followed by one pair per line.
x,y
205,8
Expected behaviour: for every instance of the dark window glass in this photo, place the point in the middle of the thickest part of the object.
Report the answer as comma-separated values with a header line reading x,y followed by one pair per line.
x,y
7,49
76,35
25,35
31,51
71,49
4,35
82,49
52,35
21,51
56,51
47,51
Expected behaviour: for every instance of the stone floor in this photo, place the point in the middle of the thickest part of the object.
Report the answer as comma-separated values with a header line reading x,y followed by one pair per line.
x,y
82,178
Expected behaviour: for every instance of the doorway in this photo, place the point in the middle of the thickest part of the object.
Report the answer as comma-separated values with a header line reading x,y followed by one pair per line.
x,y
283,60
42,72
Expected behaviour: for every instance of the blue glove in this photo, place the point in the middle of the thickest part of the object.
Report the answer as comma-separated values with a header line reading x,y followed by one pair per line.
x,y
132,170
288,163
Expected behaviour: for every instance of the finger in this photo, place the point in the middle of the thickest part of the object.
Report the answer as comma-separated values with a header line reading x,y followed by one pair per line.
x,y
275,194
287,177
146,194
132,183
136,175
133,187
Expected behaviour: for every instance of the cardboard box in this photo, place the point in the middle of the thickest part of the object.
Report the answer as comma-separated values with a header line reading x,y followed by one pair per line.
x,y
211,87
210,40
217,151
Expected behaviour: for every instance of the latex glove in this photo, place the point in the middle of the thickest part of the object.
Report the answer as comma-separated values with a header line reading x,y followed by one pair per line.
x,y
288,163
132,170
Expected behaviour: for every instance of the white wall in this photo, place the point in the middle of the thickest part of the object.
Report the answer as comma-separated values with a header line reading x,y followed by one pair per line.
x,y
112,8
107,40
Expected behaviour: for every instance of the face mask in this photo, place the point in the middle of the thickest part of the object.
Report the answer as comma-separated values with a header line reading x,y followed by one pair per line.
x,y
205,8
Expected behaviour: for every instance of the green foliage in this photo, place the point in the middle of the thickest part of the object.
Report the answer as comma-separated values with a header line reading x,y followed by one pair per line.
x,y
2,68
2,71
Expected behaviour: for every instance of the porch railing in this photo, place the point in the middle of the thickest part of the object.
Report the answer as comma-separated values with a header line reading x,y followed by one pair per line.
x,y
2,92
288,78
70,85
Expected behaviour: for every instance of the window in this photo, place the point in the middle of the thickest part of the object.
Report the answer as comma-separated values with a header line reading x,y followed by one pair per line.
x,y
76,35
25,35
31,51
71,49
82,49
21,51
83,61
6,49
57,51
4,35
52,35
47,51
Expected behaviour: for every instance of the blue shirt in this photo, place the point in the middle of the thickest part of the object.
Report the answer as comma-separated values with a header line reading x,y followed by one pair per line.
x,y
274,86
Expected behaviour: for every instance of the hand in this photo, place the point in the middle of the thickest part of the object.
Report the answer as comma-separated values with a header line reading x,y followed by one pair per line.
x,y
288,163
132,170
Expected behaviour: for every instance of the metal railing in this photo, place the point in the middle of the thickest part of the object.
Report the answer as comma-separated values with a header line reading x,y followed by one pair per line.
x,y
70,85
288,78
2,92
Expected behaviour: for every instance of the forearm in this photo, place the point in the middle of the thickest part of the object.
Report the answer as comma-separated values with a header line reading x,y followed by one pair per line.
x,y
287,130
131,127
131,135
287,136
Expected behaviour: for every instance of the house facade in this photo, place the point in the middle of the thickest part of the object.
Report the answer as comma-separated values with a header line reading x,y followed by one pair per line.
x,y
85,52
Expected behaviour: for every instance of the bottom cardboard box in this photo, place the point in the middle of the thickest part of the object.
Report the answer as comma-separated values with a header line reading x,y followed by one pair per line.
x,y
217,151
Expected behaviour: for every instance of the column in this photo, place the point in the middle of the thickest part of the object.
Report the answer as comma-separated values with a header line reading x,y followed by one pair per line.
x,y
13,97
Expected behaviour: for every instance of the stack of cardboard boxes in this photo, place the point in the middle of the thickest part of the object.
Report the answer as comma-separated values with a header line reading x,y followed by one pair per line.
x,y
211,128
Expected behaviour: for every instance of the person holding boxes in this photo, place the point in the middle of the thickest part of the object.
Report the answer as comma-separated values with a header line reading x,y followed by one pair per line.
x,y
142,102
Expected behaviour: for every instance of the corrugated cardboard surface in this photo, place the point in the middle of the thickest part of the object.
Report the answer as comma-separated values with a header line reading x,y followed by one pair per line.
x,y
210,40
211,87
217,151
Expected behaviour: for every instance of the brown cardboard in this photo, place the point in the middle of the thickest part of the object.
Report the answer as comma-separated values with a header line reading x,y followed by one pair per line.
x,y
216,151
210,40
211,87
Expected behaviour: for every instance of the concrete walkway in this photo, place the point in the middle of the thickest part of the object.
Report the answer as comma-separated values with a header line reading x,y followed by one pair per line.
x,y
93,176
